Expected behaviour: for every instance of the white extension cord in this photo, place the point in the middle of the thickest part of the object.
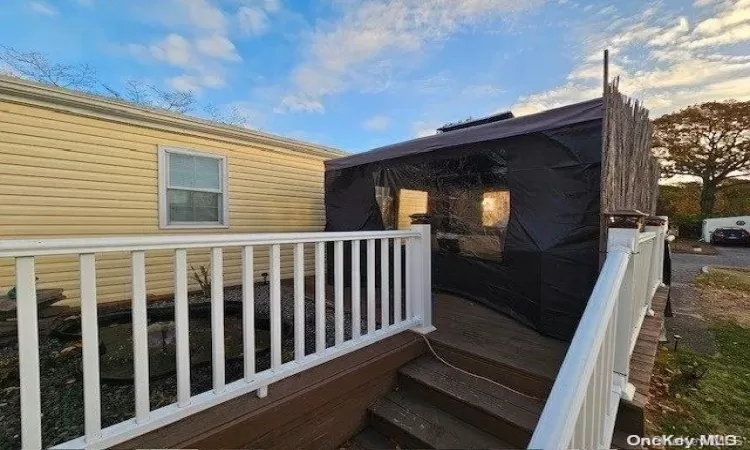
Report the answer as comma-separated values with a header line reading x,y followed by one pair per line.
x,y
429,345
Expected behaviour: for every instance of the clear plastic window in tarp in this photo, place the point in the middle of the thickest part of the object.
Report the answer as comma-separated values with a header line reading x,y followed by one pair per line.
x,y
467,198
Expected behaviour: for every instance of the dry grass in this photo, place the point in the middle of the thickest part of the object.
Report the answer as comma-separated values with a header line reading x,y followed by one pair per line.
x,y
689,245
725,294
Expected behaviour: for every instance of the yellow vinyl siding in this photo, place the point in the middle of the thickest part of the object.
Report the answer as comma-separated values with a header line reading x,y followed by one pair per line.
x,y
68,175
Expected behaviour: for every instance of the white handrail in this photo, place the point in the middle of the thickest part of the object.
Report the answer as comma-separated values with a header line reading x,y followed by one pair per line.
x,y
582,406
46,247
562,410
418,317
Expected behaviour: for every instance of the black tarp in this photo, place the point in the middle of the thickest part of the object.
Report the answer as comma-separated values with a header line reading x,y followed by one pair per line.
x,y
514,205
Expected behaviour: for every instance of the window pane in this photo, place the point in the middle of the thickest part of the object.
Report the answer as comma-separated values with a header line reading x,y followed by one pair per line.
x,y
410,202
181,170
188,206
206,206
207,173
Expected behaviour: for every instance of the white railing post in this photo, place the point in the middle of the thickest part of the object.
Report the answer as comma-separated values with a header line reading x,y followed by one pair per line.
x,y
622,236
421,270
655,259
663,243
28,353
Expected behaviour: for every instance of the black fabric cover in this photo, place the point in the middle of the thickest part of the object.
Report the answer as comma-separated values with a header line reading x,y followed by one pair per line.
x,y
542,265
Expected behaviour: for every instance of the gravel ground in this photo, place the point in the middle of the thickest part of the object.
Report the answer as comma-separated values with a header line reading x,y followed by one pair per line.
x,y
688,322
62,384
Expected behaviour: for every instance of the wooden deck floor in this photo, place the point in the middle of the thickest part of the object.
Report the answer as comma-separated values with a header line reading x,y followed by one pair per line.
x,y
467,329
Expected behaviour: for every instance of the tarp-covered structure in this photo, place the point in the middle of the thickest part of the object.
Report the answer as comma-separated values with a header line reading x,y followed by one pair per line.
x,y
514,206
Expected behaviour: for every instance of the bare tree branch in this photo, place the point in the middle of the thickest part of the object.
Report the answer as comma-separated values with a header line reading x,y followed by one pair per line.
x,y
36,66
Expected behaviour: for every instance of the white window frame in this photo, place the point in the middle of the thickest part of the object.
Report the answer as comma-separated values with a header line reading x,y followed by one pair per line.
x,y
163,169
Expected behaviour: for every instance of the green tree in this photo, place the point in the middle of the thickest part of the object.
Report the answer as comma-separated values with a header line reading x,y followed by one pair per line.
x,y
710,141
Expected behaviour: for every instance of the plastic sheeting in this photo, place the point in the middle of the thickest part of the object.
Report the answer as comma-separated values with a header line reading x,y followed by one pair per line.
x,y
514,206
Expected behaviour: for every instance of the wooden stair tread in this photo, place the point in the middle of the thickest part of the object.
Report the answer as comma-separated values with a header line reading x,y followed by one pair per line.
x,y
491,398
414,423
371,439
474,329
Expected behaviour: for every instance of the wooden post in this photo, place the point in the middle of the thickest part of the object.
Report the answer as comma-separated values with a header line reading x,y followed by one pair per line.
x,y
606,71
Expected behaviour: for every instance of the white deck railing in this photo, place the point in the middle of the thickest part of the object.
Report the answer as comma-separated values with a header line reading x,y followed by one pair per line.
x,y
418,316
581,409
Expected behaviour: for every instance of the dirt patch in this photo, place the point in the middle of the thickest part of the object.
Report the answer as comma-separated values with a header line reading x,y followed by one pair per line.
x,y
692,246
726,304
725,294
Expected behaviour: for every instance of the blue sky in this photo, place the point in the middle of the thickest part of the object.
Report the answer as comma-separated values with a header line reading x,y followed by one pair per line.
x,y
360,74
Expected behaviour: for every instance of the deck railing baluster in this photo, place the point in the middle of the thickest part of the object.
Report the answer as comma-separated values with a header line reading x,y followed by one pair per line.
x,y
385,301
28,353
182,332
299,302
275,306
140,336
217,319
338,273
396,280
320,297
370,286
248,313
356,291
90,338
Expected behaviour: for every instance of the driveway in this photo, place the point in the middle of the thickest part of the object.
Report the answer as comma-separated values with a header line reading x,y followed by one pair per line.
x,y
688,321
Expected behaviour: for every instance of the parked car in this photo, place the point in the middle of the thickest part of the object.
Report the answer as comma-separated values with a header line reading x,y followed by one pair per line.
x,y
730,235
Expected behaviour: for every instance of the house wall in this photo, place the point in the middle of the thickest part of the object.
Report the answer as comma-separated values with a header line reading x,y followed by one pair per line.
x,y
70,167
410,202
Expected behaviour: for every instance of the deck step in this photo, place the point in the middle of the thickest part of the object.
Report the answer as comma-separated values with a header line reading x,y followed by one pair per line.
x,y
371,439
488,343
494,408
413,423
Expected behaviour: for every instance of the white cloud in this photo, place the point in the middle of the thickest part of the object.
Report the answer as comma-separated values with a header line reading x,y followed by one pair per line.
x,y
201,59
43,8
668,66
422,128
671,35
253,18
566,94
184,83
253,21
196,83
734,35
198,13
292,102
271,5
737,13
376,123
173,49
217,46
379,30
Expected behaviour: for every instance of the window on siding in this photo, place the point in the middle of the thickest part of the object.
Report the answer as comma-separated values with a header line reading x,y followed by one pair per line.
x,y
192,189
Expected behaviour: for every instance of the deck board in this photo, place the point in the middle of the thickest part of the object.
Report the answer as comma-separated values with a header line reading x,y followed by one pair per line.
x,y
646,346
475,329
